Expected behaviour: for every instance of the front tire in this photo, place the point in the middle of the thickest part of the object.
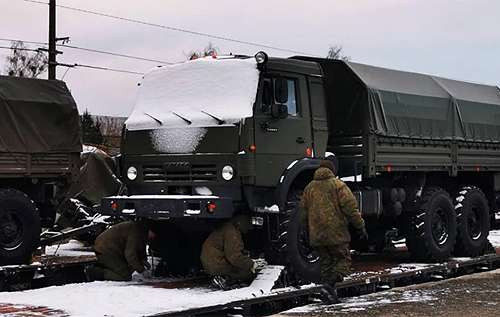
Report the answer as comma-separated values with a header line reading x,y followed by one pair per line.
x,y
431,230
19,227
473,223
293,247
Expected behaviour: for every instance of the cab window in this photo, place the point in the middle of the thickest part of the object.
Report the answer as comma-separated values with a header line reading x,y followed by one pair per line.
x,y
268,98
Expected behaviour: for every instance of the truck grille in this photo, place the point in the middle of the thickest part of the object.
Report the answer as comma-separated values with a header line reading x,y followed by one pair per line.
x,y
179,172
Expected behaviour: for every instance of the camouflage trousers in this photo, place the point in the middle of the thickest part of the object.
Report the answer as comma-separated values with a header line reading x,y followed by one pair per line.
x,y
115,268
334,259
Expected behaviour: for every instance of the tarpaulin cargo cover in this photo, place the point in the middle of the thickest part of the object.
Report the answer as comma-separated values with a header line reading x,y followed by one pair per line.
x,y
365,99
37,116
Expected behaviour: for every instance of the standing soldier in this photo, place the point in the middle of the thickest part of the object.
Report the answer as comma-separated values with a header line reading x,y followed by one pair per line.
x,y
224,256
325,210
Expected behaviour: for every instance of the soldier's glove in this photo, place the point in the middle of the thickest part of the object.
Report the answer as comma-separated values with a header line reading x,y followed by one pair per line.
x,y
146,264
255,265
146,274
363,235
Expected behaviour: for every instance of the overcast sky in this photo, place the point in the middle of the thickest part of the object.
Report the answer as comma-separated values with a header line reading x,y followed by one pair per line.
x,y
453,39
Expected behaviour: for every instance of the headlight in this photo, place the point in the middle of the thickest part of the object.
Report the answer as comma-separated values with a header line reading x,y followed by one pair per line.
x,y
227,172
132,173
261,57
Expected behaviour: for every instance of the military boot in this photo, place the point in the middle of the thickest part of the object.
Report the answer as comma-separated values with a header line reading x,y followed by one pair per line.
x,y
329,293
94,273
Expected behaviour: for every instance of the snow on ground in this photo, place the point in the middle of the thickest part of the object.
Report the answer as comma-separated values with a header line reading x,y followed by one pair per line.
x,y
132,299
494,238
364,303
71,248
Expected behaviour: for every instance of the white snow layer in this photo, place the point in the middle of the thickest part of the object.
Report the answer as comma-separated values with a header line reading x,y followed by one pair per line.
x,y
131,299
194,90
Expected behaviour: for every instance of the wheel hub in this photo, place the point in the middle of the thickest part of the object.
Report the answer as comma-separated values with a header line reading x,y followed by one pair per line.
x,y
474,220
10,231
440,227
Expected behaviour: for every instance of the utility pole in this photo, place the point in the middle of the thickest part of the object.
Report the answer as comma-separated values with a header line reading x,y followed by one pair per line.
x,y
52,39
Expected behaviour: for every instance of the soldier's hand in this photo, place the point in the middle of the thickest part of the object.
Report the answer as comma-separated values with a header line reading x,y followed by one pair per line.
x,y
363,235
255,265
146,264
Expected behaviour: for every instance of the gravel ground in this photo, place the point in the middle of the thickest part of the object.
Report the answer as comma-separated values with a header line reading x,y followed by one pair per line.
x,y
472,295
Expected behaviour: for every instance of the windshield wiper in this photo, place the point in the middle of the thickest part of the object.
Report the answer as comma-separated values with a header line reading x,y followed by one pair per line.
x,y
186,120
219,120
155,119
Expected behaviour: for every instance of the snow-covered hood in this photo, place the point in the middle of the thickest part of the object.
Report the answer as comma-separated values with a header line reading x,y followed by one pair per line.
x,y
179,104
199,93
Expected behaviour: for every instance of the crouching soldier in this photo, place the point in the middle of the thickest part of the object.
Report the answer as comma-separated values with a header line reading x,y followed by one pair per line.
x,y
121,250
326,208
224,256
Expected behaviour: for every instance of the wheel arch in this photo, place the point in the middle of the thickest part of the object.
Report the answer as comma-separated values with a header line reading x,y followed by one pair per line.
x,y
297,176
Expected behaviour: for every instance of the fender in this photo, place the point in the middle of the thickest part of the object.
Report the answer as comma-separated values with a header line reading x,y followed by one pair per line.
x,y
289,175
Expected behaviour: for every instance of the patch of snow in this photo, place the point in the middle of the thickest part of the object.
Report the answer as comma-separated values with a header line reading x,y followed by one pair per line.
x,y
419,192
241,153
131,298
459,199
273,208
494,238
327,154
282,179
71,248
204,191
193,212
177,140
357,178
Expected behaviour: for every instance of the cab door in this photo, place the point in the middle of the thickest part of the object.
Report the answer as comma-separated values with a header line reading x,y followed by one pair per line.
x,y
279,142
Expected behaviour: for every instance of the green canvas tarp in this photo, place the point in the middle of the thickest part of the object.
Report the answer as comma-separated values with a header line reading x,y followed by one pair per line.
x,y
365,99
37,116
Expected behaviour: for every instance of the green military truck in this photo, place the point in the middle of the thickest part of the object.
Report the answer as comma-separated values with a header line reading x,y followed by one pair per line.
x,y
40,145
215,137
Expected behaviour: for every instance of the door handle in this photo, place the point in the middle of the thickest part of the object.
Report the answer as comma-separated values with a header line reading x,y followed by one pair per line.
x,y
300,140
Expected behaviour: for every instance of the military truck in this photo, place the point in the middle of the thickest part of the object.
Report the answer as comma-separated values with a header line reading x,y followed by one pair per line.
x,y
40,145
214,137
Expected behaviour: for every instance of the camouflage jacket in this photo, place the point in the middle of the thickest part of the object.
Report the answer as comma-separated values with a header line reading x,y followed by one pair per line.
x,y
126,240
326,208
224,248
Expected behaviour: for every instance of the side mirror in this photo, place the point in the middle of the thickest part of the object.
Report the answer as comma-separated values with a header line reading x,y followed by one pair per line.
x,y
267,93
281,90
279,111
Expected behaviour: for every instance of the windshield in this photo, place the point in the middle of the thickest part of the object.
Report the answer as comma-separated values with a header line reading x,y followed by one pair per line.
x,y
200,93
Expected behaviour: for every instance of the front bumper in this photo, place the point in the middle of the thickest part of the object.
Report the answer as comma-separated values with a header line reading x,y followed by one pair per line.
x,y
167,206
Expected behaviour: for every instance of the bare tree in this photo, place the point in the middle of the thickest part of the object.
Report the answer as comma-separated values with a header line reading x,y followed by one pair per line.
x,y
111,129
335,52
24,62
209,50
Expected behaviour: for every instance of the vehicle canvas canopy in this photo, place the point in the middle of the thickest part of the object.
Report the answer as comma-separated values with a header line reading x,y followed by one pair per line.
x,y
37,116
364,99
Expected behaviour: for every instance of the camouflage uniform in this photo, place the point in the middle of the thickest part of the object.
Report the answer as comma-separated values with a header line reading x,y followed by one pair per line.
x,y
223,252
325,210
121,249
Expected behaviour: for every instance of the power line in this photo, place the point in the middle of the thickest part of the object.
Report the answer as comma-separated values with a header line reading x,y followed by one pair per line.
x,y
170,28
92,50
19,49
108,69
80,65
113,54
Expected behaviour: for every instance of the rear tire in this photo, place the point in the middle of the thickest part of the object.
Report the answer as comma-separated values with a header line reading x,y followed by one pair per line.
x,y
19,227
431,230
473,223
